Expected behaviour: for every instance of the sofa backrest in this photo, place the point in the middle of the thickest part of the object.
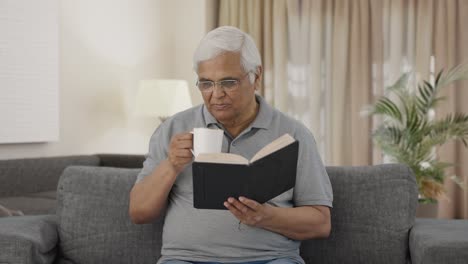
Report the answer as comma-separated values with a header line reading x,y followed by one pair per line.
x,y
121,160
31,175
93,220
374,208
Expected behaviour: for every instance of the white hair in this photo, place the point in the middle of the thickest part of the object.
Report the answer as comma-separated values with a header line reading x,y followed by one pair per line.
x,y
229,39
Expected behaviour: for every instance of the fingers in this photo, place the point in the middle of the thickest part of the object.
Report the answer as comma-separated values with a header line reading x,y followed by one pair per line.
x,y
233,209
237,205
244,204
184,135
182,153
253,205
183,141
246,210
179,150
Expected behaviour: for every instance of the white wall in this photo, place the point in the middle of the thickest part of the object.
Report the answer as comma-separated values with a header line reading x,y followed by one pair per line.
x,y
106,47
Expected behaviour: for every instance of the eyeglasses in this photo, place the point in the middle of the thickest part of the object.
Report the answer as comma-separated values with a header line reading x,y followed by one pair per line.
x,y
226,85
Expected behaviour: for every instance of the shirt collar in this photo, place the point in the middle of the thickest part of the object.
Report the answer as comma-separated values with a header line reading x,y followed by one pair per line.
x,y
263,119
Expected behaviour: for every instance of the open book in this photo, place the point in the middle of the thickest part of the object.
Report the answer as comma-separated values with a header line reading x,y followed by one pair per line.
x,y
270,172
275,145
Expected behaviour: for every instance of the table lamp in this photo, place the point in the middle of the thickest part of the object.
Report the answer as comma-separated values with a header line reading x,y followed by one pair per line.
x,y
162,98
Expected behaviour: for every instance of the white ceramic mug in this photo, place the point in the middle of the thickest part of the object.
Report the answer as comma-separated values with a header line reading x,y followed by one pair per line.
x,y
207,140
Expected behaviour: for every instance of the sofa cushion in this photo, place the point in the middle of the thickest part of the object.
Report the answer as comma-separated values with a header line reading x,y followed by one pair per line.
x,y
30,205
28,239
32,175
435,241
373,210
94,223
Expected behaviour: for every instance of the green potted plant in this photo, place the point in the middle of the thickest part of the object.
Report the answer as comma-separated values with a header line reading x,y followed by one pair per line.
x,y
410,133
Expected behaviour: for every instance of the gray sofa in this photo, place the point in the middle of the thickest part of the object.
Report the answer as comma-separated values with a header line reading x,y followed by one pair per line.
x,y
373,221
29,185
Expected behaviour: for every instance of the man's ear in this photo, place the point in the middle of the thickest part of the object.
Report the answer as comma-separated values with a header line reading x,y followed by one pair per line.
x,y
258,77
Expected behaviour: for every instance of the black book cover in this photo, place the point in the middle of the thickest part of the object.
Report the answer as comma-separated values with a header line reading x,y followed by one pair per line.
x,y
261,180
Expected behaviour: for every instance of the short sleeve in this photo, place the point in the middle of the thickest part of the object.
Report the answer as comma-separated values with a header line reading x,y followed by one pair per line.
x,y
313,185
157,152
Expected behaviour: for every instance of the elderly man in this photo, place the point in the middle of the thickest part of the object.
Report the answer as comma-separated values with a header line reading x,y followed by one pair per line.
x,y
229,71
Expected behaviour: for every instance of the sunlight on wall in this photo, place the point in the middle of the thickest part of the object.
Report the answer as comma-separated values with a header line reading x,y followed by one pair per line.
x,y
121,31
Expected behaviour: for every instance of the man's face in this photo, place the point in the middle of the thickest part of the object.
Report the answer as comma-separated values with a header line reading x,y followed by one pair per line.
x,y
227,106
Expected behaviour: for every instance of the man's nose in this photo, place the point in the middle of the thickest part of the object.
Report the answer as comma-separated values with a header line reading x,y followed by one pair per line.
x,y
218,90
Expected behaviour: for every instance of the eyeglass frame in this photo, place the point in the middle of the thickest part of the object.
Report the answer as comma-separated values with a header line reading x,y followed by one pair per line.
x,y
219,84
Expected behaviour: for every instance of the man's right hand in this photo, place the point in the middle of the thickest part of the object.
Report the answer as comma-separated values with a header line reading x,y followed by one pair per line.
x,y
179,151
149,197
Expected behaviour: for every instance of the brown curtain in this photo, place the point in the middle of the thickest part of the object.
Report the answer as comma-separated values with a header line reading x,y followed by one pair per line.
x,y
265,21
352,83
326,59
308,50
419,32
450,47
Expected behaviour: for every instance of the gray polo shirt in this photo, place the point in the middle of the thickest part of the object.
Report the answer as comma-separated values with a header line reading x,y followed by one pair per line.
x,y
214,235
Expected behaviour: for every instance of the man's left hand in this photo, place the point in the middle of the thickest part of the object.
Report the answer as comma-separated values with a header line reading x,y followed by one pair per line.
x,y
298,223
248,211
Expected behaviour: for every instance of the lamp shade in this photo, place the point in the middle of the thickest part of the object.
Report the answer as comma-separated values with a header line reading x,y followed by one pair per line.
x,y
162,98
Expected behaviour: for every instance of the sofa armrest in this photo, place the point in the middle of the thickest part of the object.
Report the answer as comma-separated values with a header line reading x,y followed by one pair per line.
x,y
439,241
28,239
